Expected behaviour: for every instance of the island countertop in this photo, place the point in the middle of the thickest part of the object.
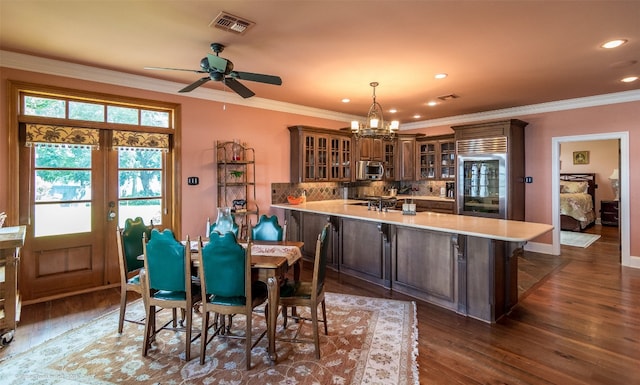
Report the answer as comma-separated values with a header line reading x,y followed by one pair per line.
x,y
499,229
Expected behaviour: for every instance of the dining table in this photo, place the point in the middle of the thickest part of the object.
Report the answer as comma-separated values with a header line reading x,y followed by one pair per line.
x,y
270,260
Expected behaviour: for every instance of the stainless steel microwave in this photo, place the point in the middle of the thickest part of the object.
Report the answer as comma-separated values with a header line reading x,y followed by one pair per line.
x,y
369,170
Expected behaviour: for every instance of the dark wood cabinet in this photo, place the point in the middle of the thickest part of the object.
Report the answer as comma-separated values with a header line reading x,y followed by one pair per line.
x,y
609,213
406,159
370,149
363,250
320,155
389,157
436,206
436,158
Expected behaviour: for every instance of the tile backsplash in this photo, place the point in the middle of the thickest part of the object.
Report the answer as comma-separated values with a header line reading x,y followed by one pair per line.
x,y
339,190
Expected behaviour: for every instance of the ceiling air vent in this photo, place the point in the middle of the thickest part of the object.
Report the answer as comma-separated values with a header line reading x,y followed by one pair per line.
x,y
444,98
230,23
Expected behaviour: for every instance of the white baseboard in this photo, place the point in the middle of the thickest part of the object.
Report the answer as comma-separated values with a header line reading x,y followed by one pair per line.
x,y
537,247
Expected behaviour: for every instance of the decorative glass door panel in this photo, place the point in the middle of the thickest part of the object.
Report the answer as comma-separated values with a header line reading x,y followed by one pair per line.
x,y
309,157
448,160
484,186
428,160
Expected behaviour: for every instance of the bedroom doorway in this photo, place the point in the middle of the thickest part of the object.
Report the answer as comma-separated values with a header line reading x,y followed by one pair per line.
x,y
616,149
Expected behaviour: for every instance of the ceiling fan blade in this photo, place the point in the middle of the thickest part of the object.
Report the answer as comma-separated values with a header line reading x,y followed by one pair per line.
x,y
219,64
238,87
269,79
174,69
195,84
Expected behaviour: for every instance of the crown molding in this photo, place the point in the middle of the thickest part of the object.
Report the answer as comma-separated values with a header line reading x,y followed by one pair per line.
x,y
78,71
561,105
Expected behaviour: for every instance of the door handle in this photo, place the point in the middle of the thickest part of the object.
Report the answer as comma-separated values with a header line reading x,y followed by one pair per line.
x,y
111,214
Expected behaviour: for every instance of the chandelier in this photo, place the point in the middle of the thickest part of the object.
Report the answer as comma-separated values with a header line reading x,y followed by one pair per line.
x,y
375,125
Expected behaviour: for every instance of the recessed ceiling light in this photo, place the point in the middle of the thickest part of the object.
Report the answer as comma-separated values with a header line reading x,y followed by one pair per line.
x,y
614,43
629,79
440,76
393,111
432,103
416,116
346,100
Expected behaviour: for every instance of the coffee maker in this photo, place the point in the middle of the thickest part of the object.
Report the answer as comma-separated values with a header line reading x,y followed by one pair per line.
x,y
450,189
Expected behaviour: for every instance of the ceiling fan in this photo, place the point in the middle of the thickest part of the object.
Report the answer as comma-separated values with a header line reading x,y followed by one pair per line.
x,y
221,69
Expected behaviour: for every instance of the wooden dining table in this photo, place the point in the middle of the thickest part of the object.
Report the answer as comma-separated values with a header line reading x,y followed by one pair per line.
x,y
271,261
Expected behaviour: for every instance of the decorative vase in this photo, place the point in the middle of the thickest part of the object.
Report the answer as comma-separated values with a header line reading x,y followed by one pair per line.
x,y
224,222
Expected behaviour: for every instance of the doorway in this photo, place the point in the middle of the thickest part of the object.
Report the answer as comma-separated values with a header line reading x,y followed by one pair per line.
x,y
83,166
624,219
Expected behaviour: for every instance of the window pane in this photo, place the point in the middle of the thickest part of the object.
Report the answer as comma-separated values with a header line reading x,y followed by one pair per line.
x,y
62,185
154,118
63,156
86,111
139,158
36,106
122,115
147,209
140,184
62,218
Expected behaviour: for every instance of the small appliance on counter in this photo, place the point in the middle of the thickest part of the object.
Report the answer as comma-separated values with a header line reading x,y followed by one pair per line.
x,y
450,189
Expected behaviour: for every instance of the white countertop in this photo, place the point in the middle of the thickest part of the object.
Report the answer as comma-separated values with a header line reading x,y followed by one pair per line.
x,y
499,229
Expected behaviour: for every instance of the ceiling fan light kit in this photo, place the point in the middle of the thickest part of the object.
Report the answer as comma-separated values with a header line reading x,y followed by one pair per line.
x,y
375,125
220,69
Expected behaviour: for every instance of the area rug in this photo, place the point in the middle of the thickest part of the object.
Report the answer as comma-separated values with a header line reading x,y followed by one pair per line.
x,y
370,341
570,238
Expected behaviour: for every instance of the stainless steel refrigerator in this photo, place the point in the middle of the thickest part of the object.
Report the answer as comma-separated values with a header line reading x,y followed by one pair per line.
x,y
482,177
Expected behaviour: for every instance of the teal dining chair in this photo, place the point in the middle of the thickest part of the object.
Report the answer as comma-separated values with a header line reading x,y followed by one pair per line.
x,y
167,283
227,289
268,229
129,244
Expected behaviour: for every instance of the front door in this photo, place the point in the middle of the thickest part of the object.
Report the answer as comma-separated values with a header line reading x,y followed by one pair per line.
x,y
77,185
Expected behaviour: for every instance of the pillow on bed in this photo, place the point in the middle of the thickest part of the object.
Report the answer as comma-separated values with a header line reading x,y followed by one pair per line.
x,y
568,187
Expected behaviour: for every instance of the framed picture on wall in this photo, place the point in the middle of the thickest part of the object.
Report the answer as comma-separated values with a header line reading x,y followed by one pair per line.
x,y
581,157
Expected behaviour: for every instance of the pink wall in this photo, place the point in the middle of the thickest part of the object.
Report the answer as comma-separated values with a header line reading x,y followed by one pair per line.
x,y
204,122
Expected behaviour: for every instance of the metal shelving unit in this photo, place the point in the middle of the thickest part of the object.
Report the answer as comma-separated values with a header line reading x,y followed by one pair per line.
x,y
236,169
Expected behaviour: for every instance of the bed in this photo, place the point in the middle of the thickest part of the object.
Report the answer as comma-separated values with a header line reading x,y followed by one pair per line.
x,y
577,201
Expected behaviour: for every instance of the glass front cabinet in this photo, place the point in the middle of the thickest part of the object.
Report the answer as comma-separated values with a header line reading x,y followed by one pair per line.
x,y
320,155
436,158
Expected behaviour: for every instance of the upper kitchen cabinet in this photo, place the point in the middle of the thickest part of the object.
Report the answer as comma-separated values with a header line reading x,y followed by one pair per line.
x,y
436,158
406,158
320,155
370,148
389,159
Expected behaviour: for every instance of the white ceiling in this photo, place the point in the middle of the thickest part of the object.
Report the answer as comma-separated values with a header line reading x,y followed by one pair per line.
x,y
498,54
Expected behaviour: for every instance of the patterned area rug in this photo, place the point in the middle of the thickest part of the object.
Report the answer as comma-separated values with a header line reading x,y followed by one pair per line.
x,y
570,238
370,341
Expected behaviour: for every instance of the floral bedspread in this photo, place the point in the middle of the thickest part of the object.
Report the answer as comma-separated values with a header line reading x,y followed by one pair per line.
x,y
578,206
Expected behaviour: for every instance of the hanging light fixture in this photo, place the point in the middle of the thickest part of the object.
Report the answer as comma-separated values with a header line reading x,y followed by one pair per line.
x,y
375,125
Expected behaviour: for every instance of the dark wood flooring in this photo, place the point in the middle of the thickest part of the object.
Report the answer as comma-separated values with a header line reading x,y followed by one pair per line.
x,y
577,322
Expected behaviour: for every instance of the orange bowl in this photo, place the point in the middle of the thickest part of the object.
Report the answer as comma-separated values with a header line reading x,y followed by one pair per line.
x,y
295,200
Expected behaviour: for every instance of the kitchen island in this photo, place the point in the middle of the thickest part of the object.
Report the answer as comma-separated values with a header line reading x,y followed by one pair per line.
x,y
463,263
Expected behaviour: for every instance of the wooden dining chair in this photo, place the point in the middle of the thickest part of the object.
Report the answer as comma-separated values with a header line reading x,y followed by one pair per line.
x,y
167,283
227,289
309,294
268,229
129,242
